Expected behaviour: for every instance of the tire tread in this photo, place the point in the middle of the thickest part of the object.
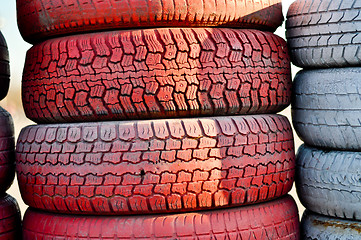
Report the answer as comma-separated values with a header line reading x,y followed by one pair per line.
x,y
156,73
324,33
155,166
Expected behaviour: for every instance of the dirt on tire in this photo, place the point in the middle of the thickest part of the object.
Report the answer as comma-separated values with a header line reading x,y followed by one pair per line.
x,y
315,226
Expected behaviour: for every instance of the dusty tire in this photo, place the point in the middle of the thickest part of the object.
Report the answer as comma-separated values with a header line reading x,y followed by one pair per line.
x,y
277,219
7,150
4,68
326,107
42,19
155,166
318,227
10,219
103,76
324,33
328,182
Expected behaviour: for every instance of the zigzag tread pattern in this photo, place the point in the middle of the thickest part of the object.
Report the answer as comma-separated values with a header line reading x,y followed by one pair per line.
x,y
324,33
328,182
273,220
156,73
41,19
155,166
314,227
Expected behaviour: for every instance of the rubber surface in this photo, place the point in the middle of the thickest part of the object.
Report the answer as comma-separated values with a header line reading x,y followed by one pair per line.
x,y
155,166
326,108
324,33
4,68
277,219
318,227
156,73
7,150
10,219
42,19
328,182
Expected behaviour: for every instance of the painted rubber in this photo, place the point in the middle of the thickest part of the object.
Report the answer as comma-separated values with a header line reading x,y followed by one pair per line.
x,y
10,219
156,73
4,68
318,227
326,108
7,150
328,182
277,219
41,19
324,33
135,167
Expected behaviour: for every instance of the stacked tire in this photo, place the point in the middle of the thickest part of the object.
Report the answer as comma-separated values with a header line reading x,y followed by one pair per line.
x,y
10,219
323,37
150,129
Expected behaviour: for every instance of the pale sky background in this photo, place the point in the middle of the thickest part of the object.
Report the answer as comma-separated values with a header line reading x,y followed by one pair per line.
x,y
17,46
17,50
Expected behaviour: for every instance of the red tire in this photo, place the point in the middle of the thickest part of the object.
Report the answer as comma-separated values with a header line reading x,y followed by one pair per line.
x,y
42,19
10,219
7,150
155,166
156,73
277,219
4,68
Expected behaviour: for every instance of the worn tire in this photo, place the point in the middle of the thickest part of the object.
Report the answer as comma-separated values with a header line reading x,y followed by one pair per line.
x,y
10,219
105,76
7,150
4,68
324,33
318,227
328,182
326,108
277,219
155,166
42,19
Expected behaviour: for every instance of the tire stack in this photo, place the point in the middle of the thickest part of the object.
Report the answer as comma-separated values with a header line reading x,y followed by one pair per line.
x,y
143,133
324,39
10,219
